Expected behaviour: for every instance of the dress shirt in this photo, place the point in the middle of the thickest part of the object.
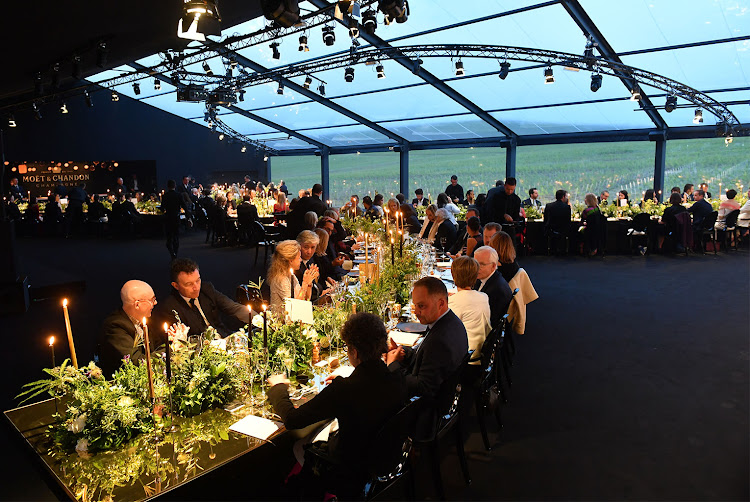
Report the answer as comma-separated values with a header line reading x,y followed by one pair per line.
x,y
194,302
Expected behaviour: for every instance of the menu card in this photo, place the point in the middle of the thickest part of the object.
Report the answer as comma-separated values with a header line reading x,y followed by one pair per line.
x,y
257,427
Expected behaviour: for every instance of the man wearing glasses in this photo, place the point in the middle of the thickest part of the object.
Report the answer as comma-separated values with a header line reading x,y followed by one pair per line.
x,y
491,282
122,332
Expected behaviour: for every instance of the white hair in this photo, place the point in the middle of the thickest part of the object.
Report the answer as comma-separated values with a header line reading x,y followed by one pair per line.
x,y
488,249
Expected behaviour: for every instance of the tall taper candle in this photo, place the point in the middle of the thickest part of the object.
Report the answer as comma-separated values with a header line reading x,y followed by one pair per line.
x,y
52,349
393,259
168,354
265,328
400,244
149,370
70,334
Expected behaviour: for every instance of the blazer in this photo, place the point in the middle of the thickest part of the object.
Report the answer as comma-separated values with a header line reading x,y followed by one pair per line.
x,y
529,202
436,358
448,230
246,213
416,202
361,402
212,302
700,210
500,295
557,216
117,340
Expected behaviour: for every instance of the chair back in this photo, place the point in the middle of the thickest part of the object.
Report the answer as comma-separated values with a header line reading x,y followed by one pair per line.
x,y
709,221
258,232
731,219
450,393
640,222
392,444
488,354
684,231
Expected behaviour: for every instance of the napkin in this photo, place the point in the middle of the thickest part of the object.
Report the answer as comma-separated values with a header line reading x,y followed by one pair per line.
x,y
402,338
444,264
343,371
257,427
327,430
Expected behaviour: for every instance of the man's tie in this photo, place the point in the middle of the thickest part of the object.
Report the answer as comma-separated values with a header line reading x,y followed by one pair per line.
x,y
477,285
195,309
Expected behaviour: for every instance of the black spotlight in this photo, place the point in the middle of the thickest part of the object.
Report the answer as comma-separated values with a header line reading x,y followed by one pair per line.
x,y
504,69
37,111
207,68
75,71
308,81
115,96
460,69
370,21
380,70
394,10
303,44
136,88
671,104
349,74
329,37
157,84
280,90
102,51
322,90
596,82
241,94
11,121
275,48
549,77
284,12
87,97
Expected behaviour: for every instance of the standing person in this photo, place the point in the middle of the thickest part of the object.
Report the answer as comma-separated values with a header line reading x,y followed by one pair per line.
x,y
184,187
533,200
454,191
120,188
171,203
506,205
419,199
15,189
74,211
487,204
557,214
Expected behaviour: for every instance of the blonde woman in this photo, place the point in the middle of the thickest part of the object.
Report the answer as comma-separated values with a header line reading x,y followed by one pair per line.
x,y
472,307
281,205
429,222
281,279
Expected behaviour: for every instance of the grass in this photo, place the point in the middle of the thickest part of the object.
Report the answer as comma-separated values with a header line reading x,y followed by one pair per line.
x,y
578,168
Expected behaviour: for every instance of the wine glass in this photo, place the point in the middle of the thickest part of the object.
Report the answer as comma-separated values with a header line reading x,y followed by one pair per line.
x,y
288,359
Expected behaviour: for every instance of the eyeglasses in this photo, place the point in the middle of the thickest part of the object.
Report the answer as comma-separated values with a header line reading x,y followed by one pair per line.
x,y
151,301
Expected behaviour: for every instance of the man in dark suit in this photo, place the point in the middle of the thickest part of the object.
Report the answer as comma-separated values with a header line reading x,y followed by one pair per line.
x,y
443,348
74,211
419,200
249,184
171,203
247,214
486,215
461,239
362,403
506,205
454,191
295,218
533,199
700,209
184,186
198,305
557,214
16,190
491,282
122,331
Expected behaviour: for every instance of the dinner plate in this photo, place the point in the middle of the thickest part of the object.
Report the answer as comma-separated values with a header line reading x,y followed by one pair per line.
x,y
411,327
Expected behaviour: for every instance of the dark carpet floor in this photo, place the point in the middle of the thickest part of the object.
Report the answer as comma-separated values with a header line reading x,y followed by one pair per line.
x,y
631,382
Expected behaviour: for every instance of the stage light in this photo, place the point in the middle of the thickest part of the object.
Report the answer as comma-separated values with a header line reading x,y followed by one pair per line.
x,y
101,54
243,149
284,12
275,48
596,82
221,136
87,97
115,96
308,81
394,10
698,119
322,90
63,108
349,74
354,31
37,111
207,68
265,158
201,17
233,63
11,121
241,94
303,44
280,90
635,94
671,104
727,141
75,71
157,84
380,70
136,88
549,77
504,69
370,22
329,37
460,69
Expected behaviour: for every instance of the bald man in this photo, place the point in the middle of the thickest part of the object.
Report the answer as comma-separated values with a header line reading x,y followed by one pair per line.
x,y
122,332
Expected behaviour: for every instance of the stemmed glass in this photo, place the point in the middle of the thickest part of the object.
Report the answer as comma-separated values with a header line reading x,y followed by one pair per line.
x,y
288,360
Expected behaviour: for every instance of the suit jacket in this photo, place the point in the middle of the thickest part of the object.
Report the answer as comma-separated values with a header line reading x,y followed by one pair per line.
x,y
117,340
700,210
437,357
246,213
171,203
361,402
212,302
500,296
529,202
415,202
447,230
503,204
557,216
487,208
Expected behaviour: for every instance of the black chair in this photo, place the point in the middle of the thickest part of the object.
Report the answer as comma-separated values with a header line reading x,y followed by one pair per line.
x,y
706,229
509,334
553,240
263,238
486,392
730,229
445,414
595,235
638,228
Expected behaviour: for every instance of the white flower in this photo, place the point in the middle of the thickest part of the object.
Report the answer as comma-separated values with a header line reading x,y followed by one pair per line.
x,y
77,424
258,321
310,332
82,446
125,401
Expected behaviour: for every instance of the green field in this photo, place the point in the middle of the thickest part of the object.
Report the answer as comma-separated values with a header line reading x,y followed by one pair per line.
x,y
578,168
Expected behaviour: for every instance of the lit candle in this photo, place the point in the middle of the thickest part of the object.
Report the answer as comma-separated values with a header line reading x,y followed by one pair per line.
x,y
265,328
52,349
70,334
168,354
29,196
149,370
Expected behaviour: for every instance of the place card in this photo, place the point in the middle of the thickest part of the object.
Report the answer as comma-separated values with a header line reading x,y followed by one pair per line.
x,y
299,310
256,427
444,264
404,339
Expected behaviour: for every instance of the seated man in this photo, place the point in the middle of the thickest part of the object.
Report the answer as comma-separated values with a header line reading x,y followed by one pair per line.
x,y
443,348
419,199
491,282
700,209
362,403
557,214
489,231
122,332
198,305
247,213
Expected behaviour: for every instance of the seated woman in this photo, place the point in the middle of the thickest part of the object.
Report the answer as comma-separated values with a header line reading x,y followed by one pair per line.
x,y
428,224
726,207
668,218
472,307
411,222
445,231
506,255
328,272
443,202
623,195
281,205
281,279
649,195
362,403
473,235
392,208
590,221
